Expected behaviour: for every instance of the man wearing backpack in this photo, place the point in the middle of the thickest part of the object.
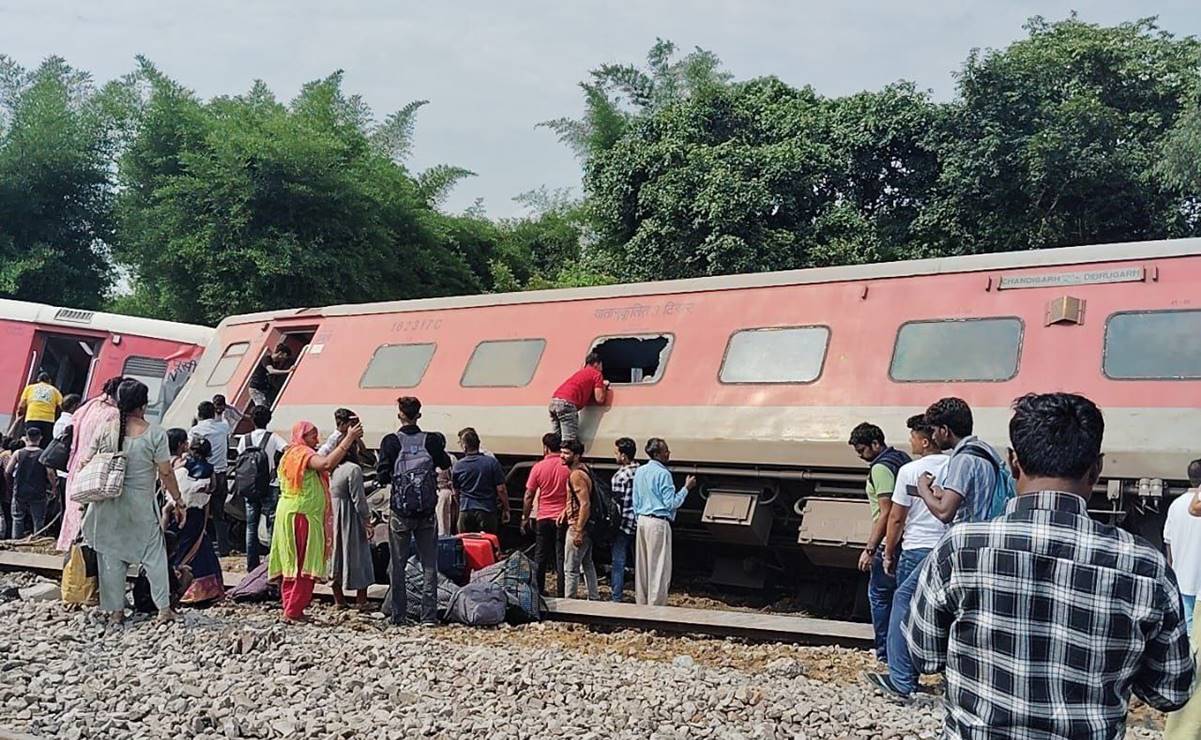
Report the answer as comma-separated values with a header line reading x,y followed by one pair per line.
x,y
255,471
578,550
408,460
656,501
30,482
883,462
974,485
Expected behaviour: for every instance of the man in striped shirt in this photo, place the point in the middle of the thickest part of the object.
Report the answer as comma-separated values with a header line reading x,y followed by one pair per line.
x,y
1045,619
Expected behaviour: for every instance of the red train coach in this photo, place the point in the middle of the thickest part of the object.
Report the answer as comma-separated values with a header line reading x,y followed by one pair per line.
x,y
81,349
756,380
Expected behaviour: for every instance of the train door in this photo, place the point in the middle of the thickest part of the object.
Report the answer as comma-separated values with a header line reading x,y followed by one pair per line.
x,y
297,340
70,359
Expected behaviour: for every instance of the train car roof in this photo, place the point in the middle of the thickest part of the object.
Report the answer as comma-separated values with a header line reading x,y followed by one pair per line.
x,y
74,318
1123,251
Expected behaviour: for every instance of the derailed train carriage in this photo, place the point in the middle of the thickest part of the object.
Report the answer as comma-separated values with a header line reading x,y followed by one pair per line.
x,y
756,380
81,349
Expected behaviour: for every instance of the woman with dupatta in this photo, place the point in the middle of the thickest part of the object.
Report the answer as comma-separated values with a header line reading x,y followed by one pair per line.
x,y
97,415
193,545
303,536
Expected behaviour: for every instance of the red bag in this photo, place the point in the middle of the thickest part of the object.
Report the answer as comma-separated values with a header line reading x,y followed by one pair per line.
x,y
480,548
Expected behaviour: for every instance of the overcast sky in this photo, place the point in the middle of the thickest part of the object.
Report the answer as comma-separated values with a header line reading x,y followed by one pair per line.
x,y
492,70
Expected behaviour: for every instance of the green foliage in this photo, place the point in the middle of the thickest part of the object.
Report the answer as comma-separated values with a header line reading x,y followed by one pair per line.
x,y
56,141
1073,135
243,204
1056,139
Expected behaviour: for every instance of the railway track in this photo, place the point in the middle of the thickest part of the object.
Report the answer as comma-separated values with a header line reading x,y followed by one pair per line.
x,y
711,622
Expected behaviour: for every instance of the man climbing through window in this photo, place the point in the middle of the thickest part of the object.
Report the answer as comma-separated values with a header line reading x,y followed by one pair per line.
x,y
585,386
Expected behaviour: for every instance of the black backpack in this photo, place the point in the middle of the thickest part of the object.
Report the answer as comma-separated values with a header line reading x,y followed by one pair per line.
x,y
414,479
252,471
604,515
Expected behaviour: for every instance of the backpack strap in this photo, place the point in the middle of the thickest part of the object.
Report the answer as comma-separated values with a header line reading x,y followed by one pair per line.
x,y
978,451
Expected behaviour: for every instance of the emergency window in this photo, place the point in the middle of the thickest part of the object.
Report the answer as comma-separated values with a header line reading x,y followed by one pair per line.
x,y
397,366
503,363
957,350
775,355
150,371
637,359
225,368
1153,345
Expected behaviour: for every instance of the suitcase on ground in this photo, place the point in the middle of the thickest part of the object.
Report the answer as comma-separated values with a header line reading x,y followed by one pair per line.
x,y
452,561
480,548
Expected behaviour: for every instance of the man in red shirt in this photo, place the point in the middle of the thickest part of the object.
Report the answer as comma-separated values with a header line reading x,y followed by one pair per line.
x,y
587,385
544,505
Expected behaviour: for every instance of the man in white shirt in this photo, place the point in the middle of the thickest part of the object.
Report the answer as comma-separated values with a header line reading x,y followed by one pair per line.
x,y
1182,541
273,446
917,531
342,419
216,431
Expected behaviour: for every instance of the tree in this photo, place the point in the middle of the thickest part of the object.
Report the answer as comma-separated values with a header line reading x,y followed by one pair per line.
x,y
618,94
56,142
762,176
243,204
1056,139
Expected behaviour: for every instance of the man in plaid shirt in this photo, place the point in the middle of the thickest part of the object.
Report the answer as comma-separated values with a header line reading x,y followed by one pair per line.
x,y
1044,619
623,493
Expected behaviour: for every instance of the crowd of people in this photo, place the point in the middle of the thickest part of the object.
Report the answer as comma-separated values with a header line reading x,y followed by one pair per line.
x,y
1043,619
985,568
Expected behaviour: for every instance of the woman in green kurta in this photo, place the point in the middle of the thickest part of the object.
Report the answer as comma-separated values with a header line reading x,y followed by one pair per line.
x,y
301,541
126,529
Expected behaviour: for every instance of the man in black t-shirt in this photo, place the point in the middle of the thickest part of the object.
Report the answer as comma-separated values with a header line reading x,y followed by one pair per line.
x,y
30,482
268,377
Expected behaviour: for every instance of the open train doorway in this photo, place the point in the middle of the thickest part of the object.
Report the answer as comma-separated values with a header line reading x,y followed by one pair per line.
x,y
68,359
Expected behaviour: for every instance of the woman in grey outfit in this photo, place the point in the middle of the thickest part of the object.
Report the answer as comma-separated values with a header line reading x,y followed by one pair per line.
x,y
351,568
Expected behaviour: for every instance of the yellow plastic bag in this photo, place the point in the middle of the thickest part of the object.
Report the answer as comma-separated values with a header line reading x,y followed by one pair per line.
x,y
80,584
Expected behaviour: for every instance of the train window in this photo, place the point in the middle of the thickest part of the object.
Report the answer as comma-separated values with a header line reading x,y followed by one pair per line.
x,y
150,371
957,350
633,359
225,368
1153,345
397,366
508,363
775,355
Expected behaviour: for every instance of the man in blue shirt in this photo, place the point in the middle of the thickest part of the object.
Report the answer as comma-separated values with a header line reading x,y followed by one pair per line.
x,y
479,483
655,503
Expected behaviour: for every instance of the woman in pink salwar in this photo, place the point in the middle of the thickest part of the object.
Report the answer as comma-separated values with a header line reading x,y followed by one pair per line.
x,y
97,415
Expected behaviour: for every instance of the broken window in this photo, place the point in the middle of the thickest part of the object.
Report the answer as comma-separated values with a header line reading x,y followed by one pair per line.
x,y
638,359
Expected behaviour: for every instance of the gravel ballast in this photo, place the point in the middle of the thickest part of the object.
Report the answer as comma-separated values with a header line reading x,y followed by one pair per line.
x,y
235,671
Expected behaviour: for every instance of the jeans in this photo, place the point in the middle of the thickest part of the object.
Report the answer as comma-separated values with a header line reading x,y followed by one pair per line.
x,y
618,554
478,520
549,541
900,663
29,516
574,559
218,526
402,531
256,510
1190,600
564,419
880,586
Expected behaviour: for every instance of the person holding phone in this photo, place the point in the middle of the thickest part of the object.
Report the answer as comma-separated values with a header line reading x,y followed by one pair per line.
x,y
912,532
343,420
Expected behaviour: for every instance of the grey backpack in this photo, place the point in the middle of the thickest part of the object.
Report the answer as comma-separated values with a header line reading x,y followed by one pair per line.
x,y
478,604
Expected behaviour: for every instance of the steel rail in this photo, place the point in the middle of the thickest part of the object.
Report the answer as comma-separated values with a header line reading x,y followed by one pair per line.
x,y
755,626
